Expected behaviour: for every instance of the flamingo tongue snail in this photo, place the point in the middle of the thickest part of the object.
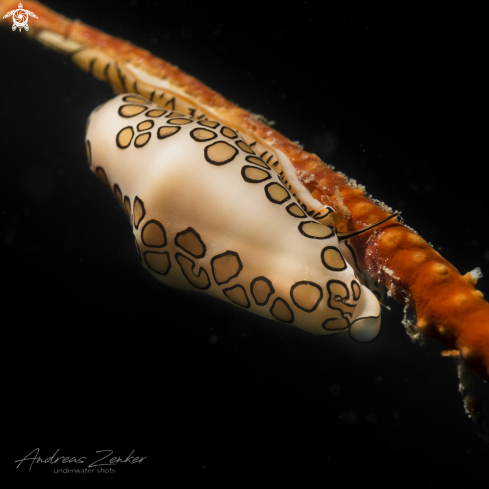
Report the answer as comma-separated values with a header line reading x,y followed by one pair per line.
x,y
209,214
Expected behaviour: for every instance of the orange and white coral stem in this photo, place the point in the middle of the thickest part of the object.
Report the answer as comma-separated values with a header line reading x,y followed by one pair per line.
x,y
446,303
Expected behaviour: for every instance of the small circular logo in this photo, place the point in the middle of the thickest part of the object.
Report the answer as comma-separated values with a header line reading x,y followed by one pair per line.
x,y
20,17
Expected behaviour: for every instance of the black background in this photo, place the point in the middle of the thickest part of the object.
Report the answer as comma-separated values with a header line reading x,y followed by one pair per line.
x,y
105,357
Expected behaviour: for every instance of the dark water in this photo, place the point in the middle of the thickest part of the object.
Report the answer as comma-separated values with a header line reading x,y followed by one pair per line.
x,y
106,357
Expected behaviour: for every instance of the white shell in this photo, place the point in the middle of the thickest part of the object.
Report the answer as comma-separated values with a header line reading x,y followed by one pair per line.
x,y
209,215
